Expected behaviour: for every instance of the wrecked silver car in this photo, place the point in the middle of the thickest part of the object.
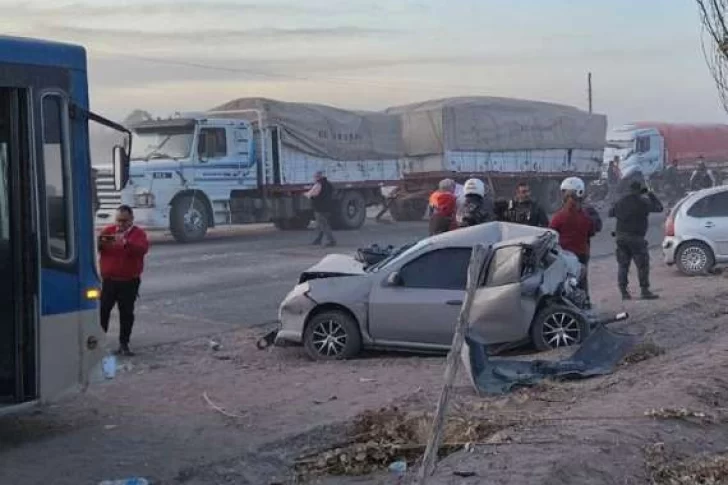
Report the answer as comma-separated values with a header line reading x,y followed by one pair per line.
x,y
411,299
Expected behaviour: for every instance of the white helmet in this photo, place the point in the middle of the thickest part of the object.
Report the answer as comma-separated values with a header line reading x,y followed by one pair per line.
x,y
474,186
573,184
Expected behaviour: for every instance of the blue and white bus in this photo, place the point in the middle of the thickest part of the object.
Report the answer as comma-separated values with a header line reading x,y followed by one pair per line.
x,y
50,337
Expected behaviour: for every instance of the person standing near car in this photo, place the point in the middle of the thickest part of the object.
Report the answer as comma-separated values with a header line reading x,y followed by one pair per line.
x,y
442,207
477,205
523,210
122,248
576,225
322,198
632,213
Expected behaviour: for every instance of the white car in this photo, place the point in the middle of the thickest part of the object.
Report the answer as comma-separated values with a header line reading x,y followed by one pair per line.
x,y
696,232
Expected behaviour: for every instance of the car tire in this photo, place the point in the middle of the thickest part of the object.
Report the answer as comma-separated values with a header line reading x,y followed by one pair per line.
x,y
189,219
335,323
557,326
695,258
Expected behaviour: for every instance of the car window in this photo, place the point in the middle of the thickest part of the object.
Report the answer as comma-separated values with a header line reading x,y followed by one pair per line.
x,y
715,205
505,266
445,269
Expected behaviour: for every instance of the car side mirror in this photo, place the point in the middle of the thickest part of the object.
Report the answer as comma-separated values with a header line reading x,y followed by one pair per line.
x,y
394,279
120,158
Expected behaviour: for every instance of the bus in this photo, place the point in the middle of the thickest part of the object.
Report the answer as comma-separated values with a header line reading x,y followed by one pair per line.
x,y
50,336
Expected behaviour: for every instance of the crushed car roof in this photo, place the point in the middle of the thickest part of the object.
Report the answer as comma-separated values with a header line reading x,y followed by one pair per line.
x,y
489,233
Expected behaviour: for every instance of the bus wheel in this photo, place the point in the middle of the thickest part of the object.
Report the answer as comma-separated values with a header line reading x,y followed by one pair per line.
x,y
189,219
351,211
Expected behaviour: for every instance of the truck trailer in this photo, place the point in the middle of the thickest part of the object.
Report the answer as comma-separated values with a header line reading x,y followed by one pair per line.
x,y
502,141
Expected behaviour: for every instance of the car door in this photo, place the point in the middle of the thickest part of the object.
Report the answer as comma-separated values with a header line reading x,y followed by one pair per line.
x,y
711,217
503,308
423,307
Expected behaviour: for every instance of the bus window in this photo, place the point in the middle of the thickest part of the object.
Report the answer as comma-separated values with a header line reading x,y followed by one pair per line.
x,y
58,198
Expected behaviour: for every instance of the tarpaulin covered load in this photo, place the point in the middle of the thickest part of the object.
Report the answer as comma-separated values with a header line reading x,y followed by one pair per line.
x,y
688,142
496,124
325,131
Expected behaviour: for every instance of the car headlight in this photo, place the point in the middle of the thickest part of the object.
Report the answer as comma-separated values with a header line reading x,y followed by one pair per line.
x,y
144,199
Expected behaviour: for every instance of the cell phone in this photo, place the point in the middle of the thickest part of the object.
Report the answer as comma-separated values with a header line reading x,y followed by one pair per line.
x,y
108,237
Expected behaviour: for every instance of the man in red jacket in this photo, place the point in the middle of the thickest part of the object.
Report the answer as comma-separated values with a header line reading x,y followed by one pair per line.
x,y
122,248
576,224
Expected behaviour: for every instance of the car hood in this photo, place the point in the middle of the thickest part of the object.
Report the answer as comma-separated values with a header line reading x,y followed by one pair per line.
x,y
333,265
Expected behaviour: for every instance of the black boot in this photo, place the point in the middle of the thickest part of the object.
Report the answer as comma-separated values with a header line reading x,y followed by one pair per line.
x,y
625,294
648,295
125,351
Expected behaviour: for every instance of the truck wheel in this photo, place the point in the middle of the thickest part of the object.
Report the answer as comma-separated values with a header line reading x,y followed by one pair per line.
x,y
351,211
297,223
189,219
408,209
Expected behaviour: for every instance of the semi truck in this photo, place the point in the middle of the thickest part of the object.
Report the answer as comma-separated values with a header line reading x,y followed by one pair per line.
x,y
651,146
252,159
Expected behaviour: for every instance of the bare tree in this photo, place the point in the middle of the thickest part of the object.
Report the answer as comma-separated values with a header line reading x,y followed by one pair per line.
x,y
713,15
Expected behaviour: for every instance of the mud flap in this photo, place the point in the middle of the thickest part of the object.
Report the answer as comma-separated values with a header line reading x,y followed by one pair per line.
x,y
598,355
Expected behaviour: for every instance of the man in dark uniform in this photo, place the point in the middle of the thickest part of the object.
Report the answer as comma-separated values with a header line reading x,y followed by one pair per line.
x,y
632,212
523,210
322,198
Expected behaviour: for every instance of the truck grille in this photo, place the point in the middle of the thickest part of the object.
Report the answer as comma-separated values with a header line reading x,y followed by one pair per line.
x,y
109,198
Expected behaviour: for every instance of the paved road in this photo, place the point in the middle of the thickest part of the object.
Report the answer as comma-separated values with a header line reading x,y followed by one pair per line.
x,y
238,278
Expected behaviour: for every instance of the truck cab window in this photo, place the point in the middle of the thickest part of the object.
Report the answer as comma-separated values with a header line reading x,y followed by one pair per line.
x,y
212,143
56,174
643,144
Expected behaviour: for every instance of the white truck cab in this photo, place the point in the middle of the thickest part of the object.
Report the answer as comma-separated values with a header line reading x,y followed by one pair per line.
x,y
640,149
183,172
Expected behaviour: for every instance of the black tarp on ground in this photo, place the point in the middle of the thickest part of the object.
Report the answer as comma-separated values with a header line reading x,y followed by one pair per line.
x,y
598,355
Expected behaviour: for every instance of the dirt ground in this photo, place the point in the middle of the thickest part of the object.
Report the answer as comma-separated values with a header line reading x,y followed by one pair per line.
x,y
187,414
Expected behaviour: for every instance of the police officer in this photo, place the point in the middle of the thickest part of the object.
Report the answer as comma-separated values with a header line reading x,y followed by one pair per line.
x,y
632,213
522,210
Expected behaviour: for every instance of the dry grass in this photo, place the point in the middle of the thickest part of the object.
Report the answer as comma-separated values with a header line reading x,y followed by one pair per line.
x,y
703,470
377,438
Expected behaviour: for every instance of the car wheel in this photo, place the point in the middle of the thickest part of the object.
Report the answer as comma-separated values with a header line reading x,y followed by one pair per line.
x,y
332,335
557,326
695,258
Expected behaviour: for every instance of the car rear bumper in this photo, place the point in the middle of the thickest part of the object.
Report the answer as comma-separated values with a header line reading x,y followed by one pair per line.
x,y
669,249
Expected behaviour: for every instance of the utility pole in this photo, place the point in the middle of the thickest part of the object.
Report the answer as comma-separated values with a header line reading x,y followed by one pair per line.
x,y
589,90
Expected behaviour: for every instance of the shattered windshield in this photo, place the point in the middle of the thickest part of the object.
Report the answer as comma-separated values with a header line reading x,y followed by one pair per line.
x,y
401,251
162,144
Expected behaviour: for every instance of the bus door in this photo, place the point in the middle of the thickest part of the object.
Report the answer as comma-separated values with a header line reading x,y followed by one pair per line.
x,y
18,262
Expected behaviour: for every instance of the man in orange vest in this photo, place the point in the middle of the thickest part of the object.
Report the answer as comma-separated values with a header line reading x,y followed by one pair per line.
x,y
442,206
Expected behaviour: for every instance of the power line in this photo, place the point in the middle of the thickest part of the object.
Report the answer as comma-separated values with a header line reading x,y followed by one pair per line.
x,y
278,75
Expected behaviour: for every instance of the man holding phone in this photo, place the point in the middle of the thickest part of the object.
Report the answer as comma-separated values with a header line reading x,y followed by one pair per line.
x,y
122,247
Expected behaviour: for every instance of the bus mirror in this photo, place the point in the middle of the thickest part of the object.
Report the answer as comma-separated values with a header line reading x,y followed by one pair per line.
x,y
121,167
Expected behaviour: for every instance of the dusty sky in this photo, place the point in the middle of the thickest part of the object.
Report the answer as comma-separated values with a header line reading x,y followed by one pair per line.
x,y
169,55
